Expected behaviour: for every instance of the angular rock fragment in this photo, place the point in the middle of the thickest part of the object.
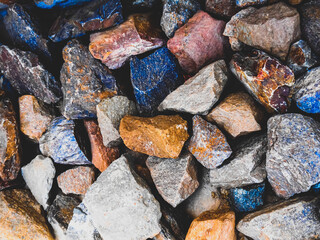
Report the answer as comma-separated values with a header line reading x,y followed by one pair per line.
x,y
48,4
200,92
160,136
135,36
265,78
224,8
208,144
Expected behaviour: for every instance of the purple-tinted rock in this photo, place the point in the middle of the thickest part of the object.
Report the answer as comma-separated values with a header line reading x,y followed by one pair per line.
x,y
224,8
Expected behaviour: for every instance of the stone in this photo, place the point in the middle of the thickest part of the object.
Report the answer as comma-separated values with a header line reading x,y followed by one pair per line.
x,y
9,184
246,3
169,218
96,15
246,166
61,143
153,78
265,78
135,36
48,4
29,76
161,136
223,8
198,42
20,216
208,144
84,82
35,117
176,13
291,219
175,179
76,180
238,114
271,28
236,45
200,92
5,3
141,4
165,234
295,2
316,188
110,111
117,192
293,159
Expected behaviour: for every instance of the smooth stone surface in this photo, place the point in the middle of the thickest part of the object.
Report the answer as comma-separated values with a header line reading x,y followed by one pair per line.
x,y
200,92
223,8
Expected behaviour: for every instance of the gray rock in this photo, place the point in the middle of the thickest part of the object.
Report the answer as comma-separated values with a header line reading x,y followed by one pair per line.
x,y
295,219
199,93
175,179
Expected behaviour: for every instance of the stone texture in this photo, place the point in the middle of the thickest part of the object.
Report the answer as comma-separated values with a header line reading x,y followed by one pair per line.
x,y
135,36
265,78
48,4
236,45
295,2
246,3
238,114
198,42
208,144
271,28
5,3
200,92
141,4
223,8
160,136
166,234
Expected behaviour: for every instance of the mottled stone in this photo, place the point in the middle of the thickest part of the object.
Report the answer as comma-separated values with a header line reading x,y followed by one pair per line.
x,y
160,136
208,144
265,78
135,36
200,92
293,157
246,3
224,8
271,28
198,42
48,4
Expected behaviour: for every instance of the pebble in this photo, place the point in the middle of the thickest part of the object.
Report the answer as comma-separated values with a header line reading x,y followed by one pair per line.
x,y
223,8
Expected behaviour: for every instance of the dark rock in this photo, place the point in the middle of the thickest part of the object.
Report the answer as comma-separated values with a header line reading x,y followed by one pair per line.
x,y
6,3
138,4
223,8
59,3
246,3
316,188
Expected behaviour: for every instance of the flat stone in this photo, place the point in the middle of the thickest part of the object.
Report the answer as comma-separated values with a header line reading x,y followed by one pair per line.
x,y
110,111
200,92
175,179
135,36
293,159
238,114
208,144
48,4
198,42
265,78
271,28
223,8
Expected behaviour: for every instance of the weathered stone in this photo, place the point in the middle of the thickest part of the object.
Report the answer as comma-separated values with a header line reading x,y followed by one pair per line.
x,y
271,28
246,3
58,3
135,36
293,219
267,80
238,114
224,8
293,158
198,42
208,144
200,92
160,136
110,111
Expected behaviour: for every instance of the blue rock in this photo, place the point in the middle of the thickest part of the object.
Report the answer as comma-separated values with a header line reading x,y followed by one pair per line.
x,y
316,188
59,3
153,78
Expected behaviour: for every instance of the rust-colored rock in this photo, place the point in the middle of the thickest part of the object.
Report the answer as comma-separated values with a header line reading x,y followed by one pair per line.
x,y
160,136
295,2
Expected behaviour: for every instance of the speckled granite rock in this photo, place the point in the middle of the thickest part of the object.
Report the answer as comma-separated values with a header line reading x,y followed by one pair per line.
x,y
224,8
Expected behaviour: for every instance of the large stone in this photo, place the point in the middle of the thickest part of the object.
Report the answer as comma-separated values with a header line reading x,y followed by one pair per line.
x,y
160,136
271,28
293,158
200,92
198,42
224,8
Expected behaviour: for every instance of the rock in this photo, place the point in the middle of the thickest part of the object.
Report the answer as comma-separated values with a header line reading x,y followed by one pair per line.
x,y
141,4
9,184
292,219
110,111
96,15
295,2
20,216
223,8
238,114
198,42
61,143
35,117
160,136
236,45
76,180
316,188
48,4
246,3
5,3
246,166
169,218
165,234
135,36
175,179
293,159
189,97
85,82
265,78
28,76
153,78
271,28
208,144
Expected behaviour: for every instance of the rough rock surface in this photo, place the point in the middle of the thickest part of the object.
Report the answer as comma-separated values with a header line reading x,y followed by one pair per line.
x,y
160,136
224,8
200,92
246,3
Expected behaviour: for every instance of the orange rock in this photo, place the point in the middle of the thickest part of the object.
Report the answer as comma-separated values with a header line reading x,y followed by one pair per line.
x,y
160,136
